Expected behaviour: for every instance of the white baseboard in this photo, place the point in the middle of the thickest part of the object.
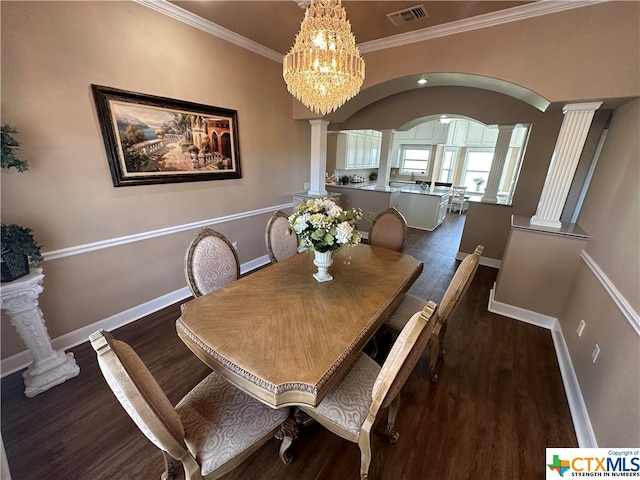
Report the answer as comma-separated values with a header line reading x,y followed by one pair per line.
x,y
487,262
23,359
579,414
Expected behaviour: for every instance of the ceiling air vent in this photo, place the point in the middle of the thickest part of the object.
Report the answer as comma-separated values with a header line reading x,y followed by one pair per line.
x,y
407,15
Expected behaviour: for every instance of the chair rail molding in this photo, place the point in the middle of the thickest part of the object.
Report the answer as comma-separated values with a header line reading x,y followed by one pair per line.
x,y
625,307
22,359
137,237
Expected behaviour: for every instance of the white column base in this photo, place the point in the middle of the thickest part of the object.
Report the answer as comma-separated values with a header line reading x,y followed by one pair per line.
x,y
541,222
49,372
318,193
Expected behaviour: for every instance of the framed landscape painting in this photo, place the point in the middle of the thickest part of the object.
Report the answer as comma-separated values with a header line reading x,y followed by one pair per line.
x,y
152,139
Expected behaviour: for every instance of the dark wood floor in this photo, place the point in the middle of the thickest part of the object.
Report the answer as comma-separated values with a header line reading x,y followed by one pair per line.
x,y
498,404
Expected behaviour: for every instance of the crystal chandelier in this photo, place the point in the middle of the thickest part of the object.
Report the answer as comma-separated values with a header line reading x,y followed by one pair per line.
x,y
324,68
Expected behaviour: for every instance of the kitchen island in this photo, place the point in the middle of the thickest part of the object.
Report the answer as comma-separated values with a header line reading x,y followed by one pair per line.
x,y
422,208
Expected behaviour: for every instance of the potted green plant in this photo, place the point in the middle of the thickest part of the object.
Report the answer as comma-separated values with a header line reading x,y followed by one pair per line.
x,y
9,146
478,181
18,247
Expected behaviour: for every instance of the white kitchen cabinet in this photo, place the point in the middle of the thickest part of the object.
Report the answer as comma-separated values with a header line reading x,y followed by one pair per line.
x,y
464,133
358,149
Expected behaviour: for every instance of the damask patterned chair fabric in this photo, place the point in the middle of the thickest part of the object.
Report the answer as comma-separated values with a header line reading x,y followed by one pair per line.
x,y
352,406
212,429
455,291
211,262
280,244
389,230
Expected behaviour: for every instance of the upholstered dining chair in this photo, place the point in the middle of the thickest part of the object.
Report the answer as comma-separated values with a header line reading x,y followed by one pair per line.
x,y
389,230
213,429
280,244
458,199
458,286
350,409
210,263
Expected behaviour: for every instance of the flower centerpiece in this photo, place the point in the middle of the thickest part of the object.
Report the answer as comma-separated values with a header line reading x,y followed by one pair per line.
x,y
323,226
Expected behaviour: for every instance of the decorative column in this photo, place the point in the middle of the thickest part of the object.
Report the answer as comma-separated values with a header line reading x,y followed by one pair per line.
x,y
497,164
318,156
437,163
50,368
459,166
384,166
573,133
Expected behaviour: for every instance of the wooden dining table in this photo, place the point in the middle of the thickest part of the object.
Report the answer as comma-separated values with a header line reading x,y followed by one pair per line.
x,y
285,338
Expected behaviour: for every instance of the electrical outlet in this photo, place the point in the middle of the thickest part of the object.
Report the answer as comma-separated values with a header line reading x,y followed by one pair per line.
x,y
580,328
595,353
235,245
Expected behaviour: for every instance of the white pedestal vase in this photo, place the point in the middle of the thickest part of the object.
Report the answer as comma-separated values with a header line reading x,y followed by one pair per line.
x,y
50,367
323,261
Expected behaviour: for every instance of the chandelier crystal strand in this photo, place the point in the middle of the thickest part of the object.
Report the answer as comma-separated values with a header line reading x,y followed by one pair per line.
x,y
324,68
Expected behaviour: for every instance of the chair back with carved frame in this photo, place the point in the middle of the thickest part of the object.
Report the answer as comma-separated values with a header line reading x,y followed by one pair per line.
x,y
456,290
351,408
389,230
210,262
280,240
197,431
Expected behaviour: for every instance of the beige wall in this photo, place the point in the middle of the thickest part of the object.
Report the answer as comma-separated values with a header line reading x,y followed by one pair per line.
x,y
611,210
51,53
611,386
611,214
537,271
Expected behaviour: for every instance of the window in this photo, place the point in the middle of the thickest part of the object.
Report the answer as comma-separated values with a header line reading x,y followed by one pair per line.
x,y
415,158
477,167
448,164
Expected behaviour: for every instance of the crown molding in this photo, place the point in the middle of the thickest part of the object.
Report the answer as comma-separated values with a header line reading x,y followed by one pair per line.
x,y
182,15
523,12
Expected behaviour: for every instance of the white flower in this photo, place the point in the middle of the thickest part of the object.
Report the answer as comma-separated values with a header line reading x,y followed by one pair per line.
x,y
300,223
344,232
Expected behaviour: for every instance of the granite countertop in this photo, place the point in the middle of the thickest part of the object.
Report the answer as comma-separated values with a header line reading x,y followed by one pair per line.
x,y
369,186
360,186
438,192
567,229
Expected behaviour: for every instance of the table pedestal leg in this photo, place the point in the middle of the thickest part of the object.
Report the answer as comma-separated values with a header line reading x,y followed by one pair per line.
x,y
290,429
288,433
